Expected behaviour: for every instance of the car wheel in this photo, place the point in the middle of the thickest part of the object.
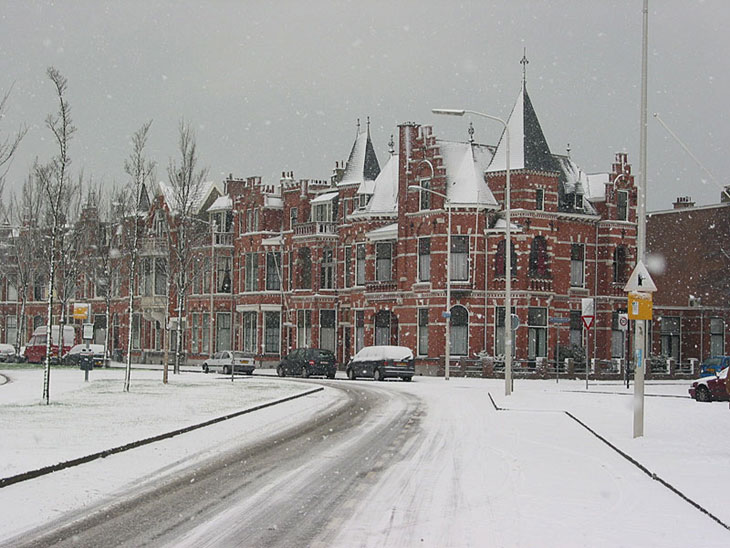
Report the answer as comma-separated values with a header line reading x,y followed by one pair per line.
x,y
249,372
331,376
226,370
407,379
280,371
377,375
205,368
703,394
305,372
351,374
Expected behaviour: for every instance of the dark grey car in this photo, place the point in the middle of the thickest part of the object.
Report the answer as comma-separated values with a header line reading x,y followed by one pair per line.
x,y
305,362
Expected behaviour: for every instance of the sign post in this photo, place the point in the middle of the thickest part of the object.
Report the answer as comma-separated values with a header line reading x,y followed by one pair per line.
x,y
588,315
623,325
640,288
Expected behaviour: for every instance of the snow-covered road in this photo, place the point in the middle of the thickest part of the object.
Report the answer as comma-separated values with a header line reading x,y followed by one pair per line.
x,y
428,463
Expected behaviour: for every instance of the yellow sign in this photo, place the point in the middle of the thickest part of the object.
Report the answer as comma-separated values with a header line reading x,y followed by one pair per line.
x,y
640,306
81,311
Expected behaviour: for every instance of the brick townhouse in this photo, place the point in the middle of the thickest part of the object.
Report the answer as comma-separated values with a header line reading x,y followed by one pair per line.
x,y
360,258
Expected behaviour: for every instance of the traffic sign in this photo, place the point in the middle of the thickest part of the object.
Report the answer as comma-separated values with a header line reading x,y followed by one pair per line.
x,y
588,312
588,321
623,322
640,280
640,306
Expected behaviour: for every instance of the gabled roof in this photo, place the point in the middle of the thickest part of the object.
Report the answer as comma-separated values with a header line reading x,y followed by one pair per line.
x,y
362,165
528,147
207,193
385,191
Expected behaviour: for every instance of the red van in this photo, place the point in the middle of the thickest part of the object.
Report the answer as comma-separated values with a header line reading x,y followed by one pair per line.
x,y
35,350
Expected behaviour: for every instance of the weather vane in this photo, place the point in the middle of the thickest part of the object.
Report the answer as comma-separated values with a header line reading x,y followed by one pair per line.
x,y
524,62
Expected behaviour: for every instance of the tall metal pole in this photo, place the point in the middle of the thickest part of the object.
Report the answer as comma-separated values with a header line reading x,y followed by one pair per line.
x,y
640,325
447,314
507,248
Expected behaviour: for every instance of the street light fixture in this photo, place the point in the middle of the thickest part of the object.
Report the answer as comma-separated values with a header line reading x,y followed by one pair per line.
x,y
447,313
507,247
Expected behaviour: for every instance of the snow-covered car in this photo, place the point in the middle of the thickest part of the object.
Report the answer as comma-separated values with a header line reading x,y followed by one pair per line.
x,y
96,351
308,361
382,362
224,362
7,353
711,388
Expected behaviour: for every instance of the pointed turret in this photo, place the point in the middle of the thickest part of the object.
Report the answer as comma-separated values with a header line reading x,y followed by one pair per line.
x,y
528,146
362,165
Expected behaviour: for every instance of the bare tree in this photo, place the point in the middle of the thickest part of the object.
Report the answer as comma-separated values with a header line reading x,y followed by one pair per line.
x,y
54,180
8,145
141,172
187,182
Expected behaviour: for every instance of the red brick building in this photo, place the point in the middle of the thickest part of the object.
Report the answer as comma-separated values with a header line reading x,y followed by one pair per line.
x,y
360,259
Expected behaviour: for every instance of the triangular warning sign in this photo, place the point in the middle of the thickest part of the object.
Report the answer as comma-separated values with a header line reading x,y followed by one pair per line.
x,y
640,280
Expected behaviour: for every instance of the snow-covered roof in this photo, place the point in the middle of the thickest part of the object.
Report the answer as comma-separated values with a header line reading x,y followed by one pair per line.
x,y
388,232
327,197
222,203
273,201
465,165
385,190
362,165
198,200
366,187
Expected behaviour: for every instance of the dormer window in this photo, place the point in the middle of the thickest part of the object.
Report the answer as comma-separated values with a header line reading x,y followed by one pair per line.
x,y
622,206
578,201
322,213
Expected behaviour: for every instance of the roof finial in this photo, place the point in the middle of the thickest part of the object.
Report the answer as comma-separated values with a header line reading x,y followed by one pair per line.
x,y
524,62
368,126
391,145
358,126
568,149
471,132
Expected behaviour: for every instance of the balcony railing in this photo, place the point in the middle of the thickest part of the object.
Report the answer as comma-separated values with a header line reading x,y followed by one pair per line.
x,y
223,239
381,286
315,228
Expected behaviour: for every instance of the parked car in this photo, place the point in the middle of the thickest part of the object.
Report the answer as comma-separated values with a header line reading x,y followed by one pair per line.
x,y
224,362
35,350
308,361
7,353
381,362
73,356
711,388
713,365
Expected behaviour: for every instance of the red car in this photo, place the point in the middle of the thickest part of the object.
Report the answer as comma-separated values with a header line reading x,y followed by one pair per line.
x,y
710,388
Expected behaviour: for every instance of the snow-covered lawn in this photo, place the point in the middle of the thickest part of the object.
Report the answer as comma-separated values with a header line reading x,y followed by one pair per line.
x,y
473,475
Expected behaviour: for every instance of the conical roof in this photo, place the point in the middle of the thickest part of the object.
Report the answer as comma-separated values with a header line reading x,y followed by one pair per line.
x,y
527,143
362,165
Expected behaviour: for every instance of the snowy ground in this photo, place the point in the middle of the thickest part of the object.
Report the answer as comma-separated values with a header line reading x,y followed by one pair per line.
x,y
526,476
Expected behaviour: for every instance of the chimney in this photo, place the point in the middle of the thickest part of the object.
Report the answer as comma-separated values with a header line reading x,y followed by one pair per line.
x,y
683,202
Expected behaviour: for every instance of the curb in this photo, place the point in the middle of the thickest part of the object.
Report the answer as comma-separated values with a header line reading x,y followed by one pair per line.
x,y
4,482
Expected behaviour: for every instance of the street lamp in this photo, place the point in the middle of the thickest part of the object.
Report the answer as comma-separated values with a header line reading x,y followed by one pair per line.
x,y
507,247
447,313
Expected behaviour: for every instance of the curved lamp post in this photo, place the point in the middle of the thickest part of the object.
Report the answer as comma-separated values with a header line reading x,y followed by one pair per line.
x,y
447,312
507,247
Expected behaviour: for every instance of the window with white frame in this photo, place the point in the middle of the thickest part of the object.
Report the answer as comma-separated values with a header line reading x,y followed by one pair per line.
x,y
194,334
360,265
536,332
669,336
425,201
293,212
460,258
385,328
304,268
540,199
136,323
717,337
251,271
327,269
304,328
383,261
272,332
348,266
423,331
248,323
577,259
359,330
273,270
11,329
322,213
205,333
424,259
327,329
459,333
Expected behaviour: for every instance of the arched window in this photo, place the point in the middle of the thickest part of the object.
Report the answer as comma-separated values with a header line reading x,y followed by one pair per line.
x,y
619,264
499,260
459,331
539,259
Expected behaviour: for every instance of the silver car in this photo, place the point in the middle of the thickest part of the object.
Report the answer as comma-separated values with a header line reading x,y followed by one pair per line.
x,y
7,353
230,360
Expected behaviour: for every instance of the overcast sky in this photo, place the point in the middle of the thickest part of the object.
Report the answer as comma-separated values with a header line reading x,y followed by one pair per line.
x,y
279,85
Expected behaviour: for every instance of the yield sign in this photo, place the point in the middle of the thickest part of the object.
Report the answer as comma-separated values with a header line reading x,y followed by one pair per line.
x,y
588,321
